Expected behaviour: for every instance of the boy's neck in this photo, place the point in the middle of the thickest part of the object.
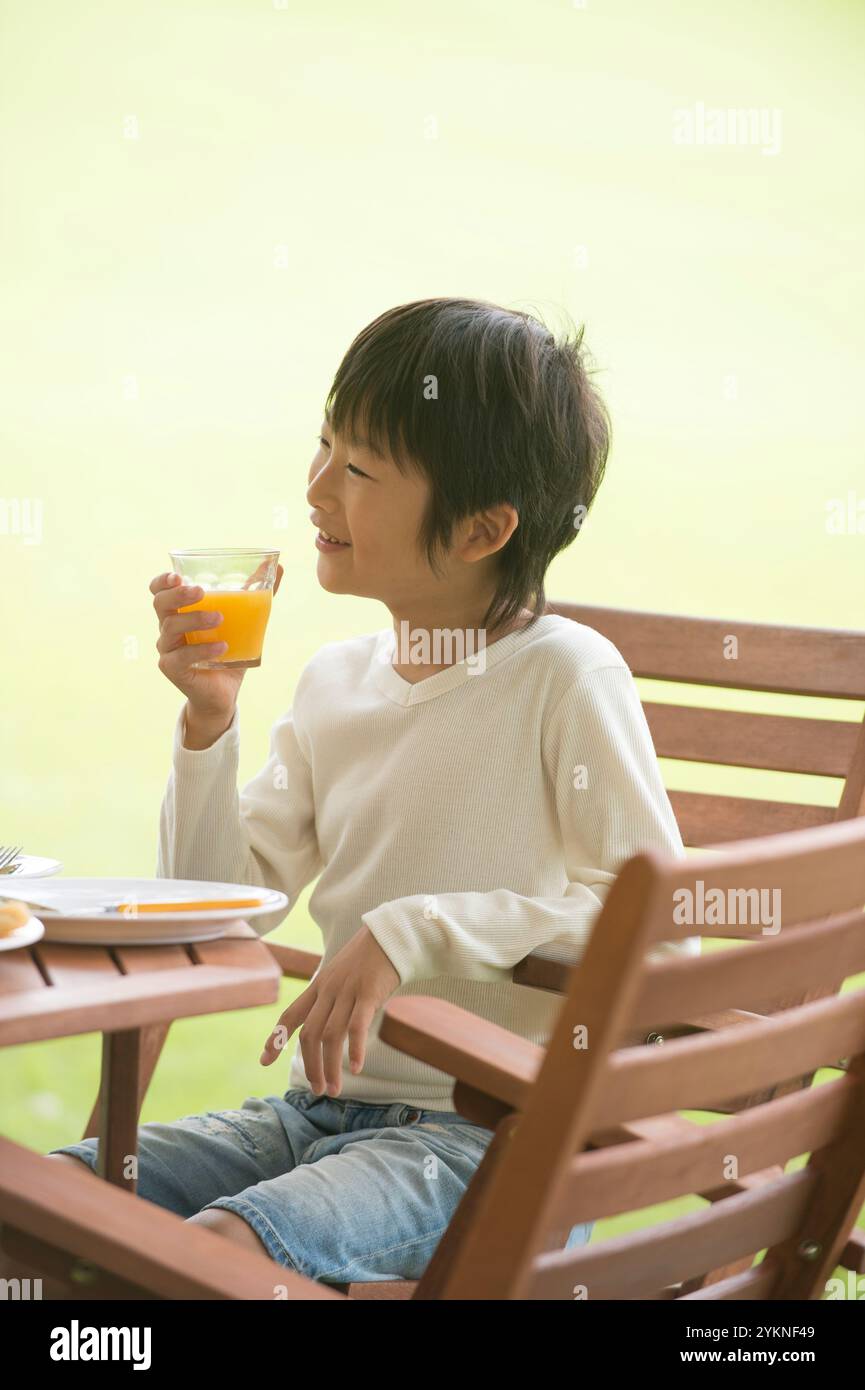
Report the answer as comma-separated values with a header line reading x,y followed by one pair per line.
x,y
415,639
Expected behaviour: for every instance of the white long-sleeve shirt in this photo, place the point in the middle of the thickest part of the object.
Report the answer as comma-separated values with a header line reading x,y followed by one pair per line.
x,y
467,819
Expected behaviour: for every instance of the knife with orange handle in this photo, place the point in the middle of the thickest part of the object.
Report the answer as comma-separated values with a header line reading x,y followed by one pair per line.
x,y
134,909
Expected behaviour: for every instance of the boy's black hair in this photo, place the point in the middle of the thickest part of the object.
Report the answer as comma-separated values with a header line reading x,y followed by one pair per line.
x,y
490,408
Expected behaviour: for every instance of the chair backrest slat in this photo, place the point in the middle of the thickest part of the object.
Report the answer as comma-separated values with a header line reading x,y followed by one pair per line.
x,y
809,877
763,974
705,819
644,1173
632,1265
698,1071
737,738
698,651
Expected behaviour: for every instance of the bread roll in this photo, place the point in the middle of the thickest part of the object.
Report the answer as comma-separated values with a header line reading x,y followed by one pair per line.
x,y
13,914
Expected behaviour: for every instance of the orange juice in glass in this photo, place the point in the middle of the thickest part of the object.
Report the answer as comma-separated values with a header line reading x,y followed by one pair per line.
x,y
239,585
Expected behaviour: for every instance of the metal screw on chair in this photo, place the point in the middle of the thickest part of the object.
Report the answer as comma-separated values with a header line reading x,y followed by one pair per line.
x,y
83,1272
809,1249
655,1038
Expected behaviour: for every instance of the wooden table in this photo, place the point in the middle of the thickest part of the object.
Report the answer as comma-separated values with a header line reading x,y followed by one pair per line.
x,y
130,994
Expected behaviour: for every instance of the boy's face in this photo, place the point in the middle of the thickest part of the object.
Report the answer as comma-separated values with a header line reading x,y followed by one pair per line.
x,y
362,498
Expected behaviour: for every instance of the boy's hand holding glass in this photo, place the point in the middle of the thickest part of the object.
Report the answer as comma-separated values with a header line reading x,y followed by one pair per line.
x,y
209,636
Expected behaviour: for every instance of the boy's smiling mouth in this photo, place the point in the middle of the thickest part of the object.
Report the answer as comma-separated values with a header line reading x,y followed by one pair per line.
x,y
326,542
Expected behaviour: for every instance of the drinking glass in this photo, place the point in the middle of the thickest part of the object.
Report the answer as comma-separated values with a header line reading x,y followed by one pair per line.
x,y
237,583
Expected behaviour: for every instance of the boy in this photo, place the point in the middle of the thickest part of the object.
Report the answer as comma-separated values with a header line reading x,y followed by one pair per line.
x,y
457,811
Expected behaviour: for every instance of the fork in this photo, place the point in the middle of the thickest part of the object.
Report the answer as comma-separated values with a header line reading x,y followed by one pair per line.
x,y
7,856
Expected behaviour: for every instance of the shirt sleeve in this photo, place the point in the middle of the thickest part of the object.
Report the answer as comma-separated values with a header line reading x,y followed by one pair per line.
x,y
265,835
610,804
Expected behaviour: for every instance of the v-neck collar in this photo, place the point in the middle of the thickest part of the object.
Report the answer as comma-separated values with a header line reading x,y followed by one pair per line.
x,y
473,667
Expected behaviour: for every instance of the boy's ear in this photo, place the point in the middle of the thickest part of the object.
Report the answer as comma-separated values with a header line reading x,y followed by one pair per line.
x,y
489,530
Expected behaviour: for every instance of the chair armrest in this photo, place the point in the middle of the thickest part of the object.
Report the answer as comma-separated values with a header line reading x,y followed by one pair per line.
x,y
696,1023
480,1054
536,972
539,973
724,1018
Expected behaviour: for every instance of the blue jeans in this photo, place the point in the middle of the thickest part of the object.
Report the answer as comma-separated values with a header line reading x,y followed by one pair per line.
x,y
337,1190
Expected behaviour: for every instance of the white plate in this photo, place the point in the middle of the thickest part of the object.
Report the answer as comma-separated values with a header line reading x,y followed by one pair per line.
x,y
25,935
106,928
31,866
81,932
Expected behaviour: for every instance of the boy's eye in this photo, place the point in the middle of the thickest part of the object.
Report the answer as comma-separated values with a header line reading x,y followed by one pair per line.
x,y
349,466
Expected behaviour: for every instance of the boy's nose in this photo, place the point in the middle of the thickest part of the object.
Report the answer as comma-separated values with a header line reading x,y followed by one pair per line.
x,y
319,488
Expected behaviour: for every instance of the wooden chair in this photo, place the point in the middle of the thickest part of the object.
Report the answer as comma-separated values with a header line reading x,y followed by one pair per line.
x,y
588,1127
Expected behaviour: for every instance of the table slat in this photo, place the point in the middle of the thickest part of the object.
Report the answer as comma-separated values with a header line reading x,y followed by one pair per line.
x,y
69,965
19,972
135,959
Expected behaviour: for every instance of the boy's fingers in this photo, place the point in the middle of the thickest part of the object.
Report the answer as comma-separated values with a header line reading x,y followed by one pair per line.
x,y
358,1032
270,1051
168,580
311,1035
332,1043
287,1024
275,1043
278,1038
169,599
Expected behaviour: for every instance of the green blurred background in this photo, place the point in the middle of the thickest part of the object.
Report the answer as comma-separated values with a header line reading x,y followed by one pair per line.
x,y
205,202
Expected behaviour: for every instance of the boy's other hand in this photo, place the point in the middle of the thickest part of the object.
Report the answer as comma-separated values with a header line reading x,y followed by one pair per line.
x,y
342,999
